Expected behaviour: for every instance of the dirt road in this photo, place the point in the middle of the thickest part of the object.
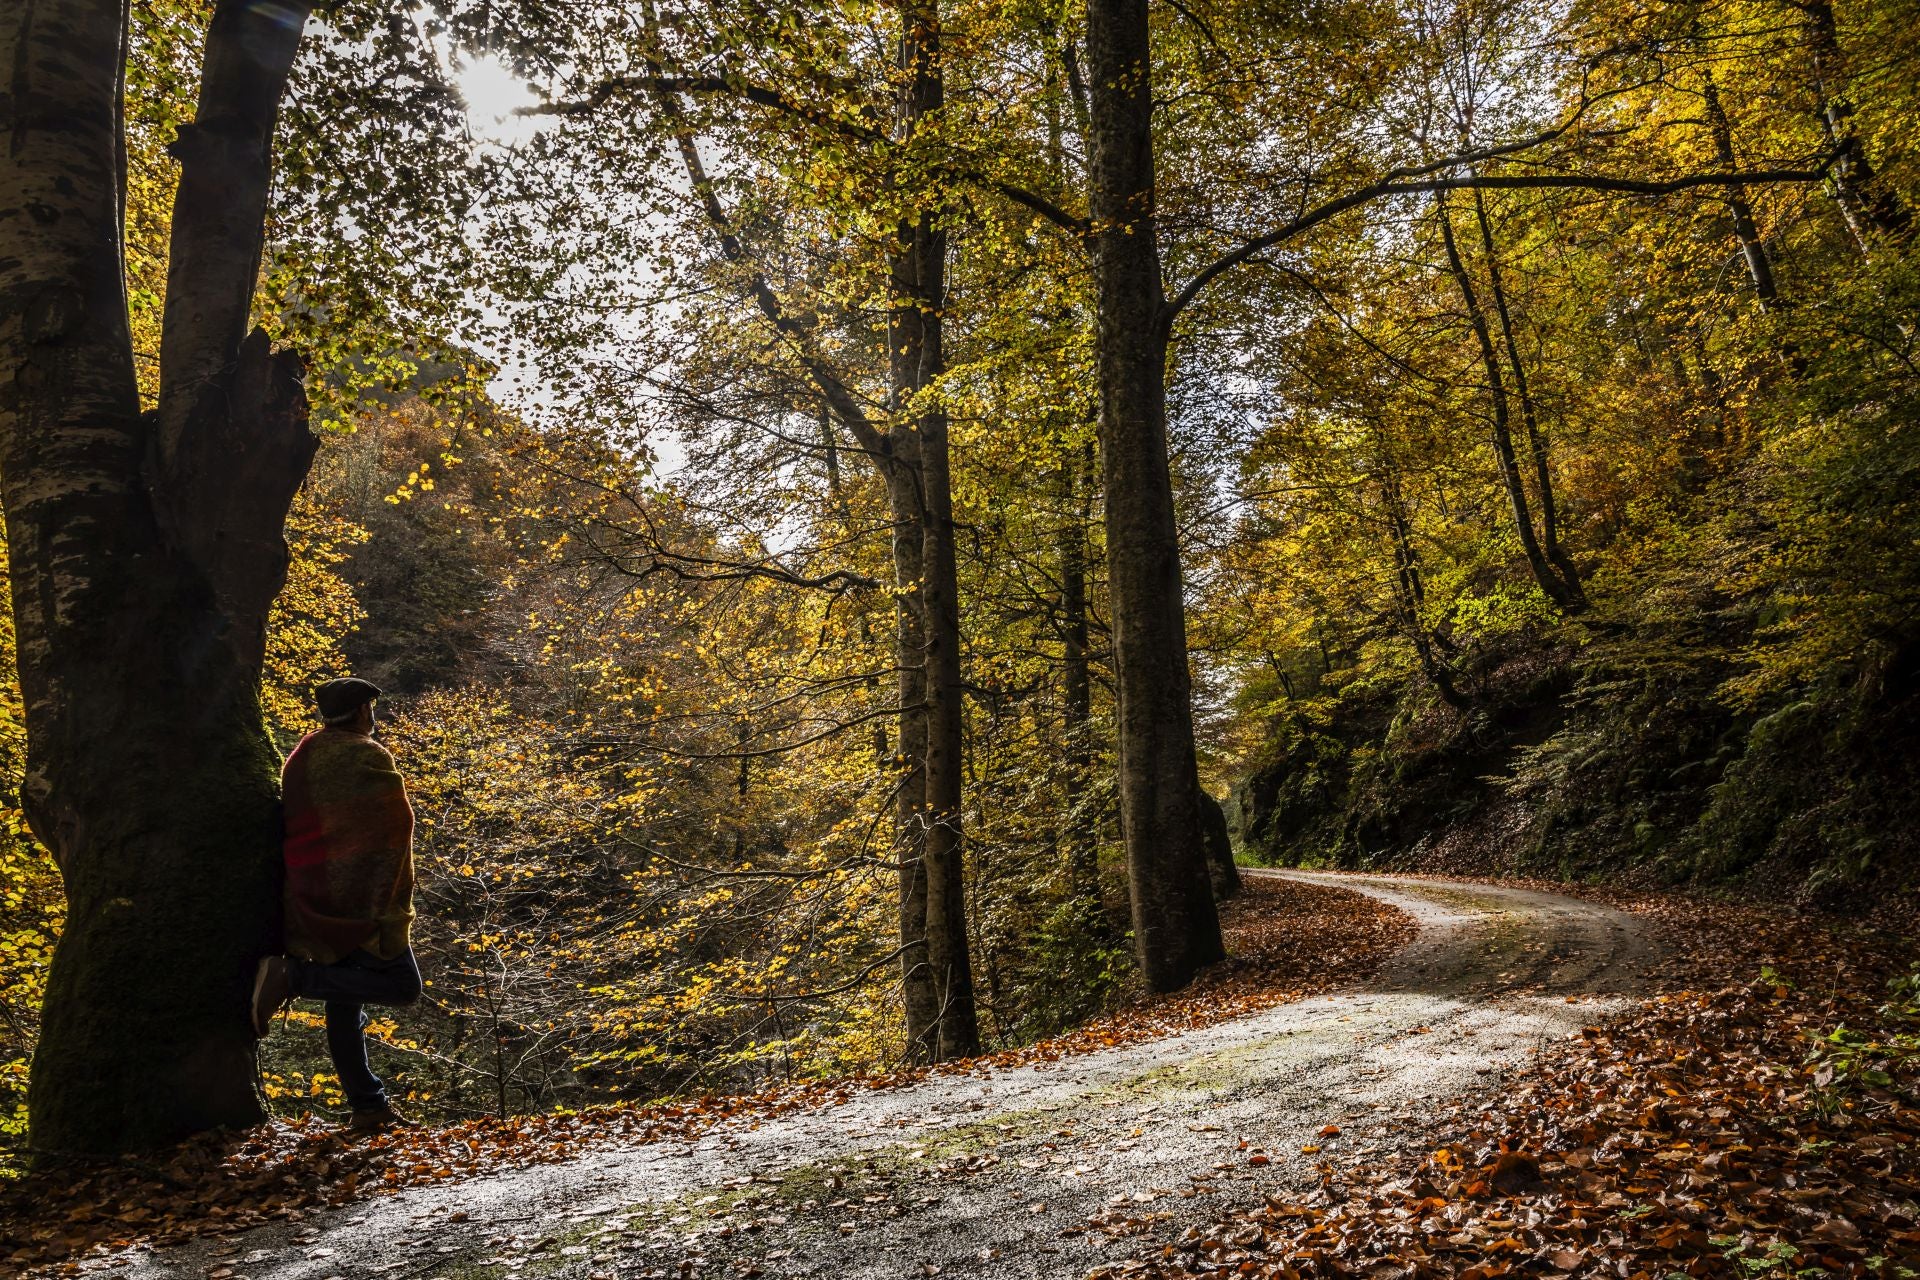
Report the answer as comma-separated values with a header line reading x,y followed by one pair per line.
x,y
996,1176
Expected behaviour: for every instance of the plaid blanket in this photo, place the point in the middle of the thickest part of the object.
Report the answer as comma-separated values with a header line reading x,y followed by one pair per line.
x,y
348,848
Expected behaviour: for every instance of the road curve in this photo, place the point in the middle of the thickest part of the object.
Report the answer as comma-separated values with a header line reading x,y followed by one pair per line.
x,y
980,1176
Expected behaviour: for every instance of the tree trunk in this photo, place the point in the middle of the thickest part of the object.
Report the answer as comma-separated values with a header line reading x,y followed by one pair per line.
x,y
1502,432
1530,419
1223,876
1176,930
1411,592
1081,827
1871,209
918,287
146,551
931,1003
1745,230
919,991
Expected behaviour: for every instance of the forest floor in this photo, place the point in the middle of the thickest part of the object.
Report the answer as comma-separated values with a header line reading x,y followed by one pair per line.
x,y
1001,1172
1575,1084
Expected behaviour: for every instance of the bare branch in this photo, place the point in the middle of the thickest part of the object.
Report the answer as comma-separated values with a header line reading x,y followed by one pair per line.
x,y
1495,182
666,89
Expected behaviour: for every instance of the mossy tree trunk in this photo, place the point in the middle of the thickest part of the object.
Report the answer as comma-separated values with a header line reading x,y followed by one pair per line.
x,y
146,549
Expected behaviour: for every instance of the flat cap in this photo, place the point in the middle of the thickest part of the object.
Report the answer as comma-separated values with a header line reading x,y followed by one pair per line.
x,y
338,699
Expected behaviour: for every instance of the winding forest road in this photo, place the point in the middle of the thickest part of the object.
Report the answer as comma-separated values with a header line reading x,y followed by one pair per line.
x,y
983,1175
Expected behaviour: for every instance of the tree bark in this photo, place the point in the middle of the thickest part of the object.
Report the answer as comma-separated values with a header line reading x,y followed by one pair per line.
x,y
146,551
1746,231
1080,825
1872,210
918,285
1176,930
1530,419
1502,430
919,991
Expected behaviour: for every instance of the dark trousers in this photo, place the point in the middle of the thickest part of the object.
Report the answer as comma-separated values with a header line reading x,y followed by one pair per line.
x,y
357,980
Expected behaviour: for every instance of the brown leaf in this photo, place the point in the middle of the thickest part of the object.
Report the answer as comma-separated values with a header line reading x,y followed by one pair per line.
x,y
1517,1174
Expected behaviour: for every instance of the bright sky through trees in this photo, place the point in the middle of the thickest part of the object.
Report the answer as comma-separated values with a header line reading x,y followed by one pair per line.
x,y
494,98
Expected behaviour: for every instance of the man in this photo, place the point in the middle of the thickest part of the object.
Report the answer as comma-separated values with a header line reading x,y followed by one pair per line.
x,y
349,890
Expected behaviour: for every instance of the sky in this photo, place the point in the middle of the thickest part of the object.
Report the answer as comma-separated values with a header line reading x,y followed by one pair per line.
x,y
496,102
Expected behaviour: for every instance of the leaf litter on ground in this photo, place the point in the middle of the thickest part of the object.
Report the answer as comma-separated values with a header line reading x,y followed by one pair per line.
x,y
1719,1128
1285,941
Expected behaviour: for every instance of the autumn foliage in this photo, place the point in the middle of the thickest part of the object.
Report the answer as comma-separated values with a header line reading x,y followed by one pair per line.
x,y
1539,390
1757,1118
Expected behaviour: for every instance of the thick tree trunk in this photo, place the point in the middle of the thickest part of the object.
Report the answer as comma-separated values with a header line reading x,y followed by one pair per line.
x,y
1529,418
947,951
1176,930
1502,430
146,550
919,991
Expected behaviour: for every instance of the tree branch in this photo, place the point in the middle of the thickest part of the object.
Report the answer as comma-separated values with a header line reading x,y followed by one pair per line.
x,y
1496,182
666,89
838,395
231,444
840,581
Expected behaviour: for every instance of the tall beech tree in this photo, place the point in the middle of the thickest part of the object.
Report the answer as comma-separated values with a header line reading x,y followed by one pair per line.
x,y
917,271
147,549
1176,929
910,455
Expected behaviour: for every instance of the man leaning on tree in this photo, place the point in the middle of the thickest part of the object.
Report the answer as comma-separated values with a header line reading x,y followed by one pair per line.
x,y
349,897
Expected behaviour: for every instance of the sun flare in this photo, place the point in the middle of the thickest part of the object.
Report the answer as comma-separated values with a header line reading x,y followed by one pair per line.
x,y
494,98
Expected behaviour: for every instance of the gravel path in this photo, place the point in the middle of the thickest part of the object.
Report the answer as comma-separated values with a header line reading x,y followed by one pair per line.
x,y
987,1176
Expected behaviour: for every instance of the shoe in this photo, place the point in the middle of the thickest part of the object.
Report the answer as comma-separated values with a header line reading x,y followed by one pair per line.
x,y
376,1119
272,987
